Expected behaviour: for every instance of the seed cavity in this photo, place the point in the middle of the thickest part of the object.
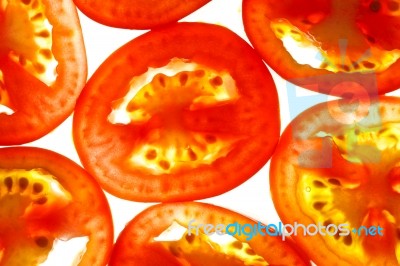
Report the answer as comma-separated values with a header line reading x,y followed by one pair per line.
x,y
41,241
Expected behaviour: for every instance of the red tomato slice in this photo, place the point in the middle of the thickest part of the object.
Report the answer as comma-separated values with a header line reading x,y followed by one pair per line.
x,y
150,233
49,202
42,67
138,14
174,115
337,163
319,44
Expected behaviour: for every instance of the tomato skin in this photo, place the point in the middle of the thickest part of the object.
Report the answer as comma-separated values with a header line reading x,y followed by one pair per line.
x,y
135,245
209,45
89,213
364,192
138,14
257,17
40,108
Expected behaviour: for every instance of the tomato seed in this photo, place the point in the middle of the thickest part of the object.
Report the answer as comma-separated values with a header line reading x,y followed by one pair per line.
x,y
164,164
41,241
318,184
250,252
37,188
319,205
348,240
41,201
23,183
393,6
237,245
190,238
8,182
26,2
151,154
183,78
217,81
375,6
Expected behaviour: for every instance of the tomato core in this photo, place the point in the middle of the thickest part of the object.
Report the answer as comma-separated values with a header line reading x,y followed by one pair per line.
x,y
164,103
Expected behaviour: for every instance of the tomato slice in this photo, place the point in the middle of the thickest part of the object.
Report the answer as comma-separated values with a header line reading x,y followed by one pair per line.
x,y
174,115
42,67
49,207
162,235
326,42
338,163
139,14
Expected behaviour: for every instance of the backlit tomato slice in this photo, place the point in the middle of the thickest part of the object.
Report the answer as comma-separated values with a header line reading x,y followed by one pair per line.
x,y
42,67
338,163
325,42
51,210
138,14
175,115
174,234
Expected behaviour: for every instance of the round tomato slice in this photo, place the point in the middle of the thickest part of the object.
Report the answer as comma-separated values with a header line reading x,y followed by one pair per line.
x,y
174,115
138,14
51,210
193,233
42,67
337,164
320,43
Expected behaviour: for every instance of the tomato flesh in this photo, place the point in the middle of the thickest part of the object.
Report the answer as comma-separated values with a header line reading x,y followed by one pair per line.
x,y
42,67
181,122
138,14
165,238
343,173
324,37
41,211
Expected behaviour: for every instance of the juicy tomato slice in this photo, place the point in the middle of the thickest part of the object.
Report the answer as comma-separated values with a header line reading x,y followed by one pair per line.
x,y
42,67
138,14
175,115
167,234
338,163
319,44
51,210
